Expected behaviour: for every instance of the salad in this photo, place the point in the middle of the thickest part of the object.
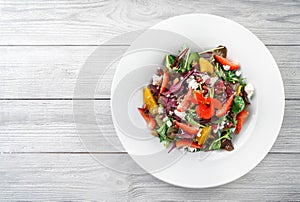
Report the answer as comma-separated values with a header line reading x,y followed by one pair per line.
x,y
198,101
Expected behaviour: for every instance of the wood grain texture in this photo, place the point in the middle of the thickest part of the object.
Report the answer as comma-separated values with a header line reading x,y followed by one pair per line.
x,y
43,46
51,72
66,177
93,22
48,126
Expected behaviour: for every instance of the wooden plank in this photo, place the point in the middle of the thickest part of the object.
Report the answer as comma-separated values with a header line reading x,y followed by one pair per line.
x,y
51,72
94,22
67,177
48,126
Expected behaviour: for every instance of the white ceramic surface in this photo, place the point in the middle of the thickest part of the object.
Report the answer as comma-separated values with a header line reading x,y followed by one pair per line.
x,y
198,170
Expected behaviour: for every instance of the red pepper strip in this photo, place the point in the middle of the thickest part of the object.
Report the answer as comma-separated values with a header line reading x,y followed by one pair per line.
x,y
165,81
241,117
178,59
186,128
183,106
187,143
226,107
150,121
224,61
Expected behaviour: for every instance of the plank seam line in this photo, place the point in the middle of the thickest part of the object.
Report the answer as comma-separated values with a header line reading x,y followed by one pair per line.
x,y
83,153
106,98
101,45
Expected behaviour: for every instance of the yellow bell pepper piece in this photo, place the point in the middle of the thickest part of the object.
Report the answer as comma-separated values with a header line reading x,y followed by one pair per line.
x,y
150,102
238,91
205,132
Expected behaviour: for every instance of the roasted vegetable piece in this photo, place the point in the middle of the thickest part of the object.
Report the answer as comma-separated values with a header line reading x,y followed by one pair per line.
x,y
205,132
206,66
227,144
150,101
221,50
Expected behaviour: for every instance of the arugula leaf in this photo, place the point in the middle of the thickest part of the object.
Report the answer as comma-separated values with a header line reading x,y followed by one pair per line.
x,y
230,76
162,132
190,120
215,145
170,130
238,104
158,121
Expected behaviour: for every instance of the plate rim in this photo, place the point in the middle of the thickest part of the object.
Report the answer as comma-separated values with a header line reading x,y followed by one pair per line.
x,y
282,110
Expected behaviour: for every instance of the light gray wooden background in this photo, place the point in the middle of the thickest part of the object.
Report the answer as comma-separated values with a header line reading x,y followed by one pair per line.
x,y
43,45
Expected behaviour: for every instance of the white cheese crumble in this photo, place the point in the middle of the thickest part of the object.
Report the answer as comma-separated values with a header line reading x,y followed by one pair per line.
x,y
249,89
189,79
221,125
238,73
226,67
160,110
156,79
170,112
169,123
193,84
189,149
205,77
165,119
180,114
199,133
216,130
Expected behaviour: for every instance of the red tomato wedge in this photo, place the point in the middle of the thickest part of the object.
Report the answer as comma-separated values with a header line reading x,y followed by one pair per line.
x,y
226,107
224,61
165,81
216,103
183,106
241,117
186,128
150,121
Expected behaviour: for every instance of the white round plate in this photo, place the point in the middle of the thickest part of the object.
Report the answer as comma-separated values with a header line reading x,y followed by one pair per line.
x,y
202,169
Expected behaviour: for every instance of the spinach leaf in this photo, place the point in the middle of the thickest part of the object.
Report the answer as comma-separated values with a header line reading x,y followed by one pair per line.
x,y
170,59
193,57
238,104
